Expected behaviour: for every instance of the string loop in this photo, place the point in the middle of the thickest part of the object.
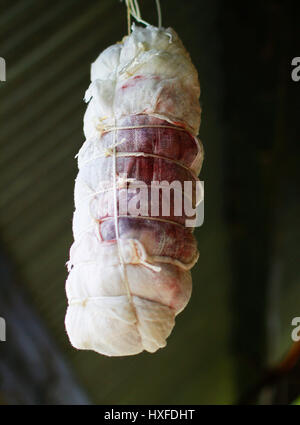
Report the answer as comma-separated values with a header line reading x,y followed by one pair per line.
x,y
133,10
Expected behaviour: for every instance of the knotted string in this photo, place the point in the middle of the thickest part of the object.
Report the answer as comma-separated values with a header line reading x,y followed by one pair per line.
x,y
133,10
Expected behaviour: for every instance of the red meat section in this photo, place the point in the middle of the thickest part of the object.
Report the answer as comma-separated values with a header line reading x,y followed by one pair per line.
x,y
174,151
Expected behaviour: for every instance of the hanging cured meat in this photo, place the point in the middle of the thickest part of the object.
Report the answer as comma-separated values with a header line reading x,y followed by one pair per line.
x,y
129,268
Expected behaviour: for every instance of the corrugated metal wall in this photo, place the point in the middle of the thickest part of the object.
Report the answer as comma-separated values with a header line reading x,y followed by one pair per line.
x,y
48,47
220,341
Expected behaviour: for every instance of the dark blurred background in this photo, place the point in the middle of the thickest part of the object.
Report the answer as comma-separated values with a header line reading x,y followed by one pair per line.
x,y
246,284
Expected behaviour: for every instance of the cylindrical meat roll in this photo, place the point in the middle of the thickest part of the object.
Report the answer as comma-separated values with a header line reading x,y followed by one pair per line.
x,y
129,267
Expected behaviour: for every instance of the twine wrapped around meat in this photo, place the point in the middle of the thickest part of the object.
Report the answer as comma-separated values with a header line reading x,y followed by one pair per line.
x,y
129,274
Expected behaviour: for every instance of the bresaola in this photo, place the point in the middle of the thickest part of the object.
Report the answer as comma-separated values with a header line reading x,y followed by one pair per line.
x,y
129,274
